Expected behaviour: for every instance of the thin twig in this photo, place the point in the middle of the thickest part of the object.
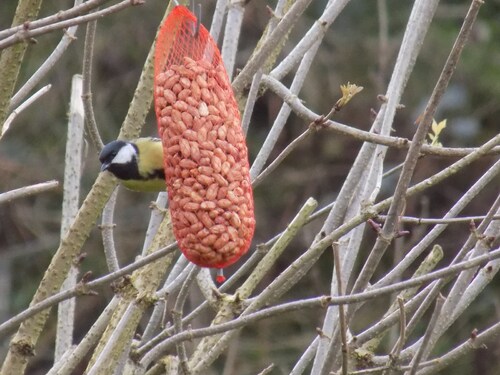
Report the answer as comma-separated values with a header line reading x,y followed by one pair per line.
x,y
396,209
267,370
83,288
232,35
90,339
107,229
314,35
33,98
428,332
429,221
256,61
279,159
217,19
88,53
48,64
177,317
396,351
284,113
59,16
430,237
314,303
31,33
308,115
26,191
342,317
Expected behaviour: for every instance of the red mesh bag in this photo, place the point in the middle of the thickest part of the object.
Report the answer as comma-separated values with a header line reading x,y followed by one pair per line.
x,y
206,158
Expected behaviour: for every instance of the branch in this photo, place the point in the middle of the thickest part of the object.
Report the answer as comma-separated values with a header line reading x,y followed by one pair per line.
x,y
399,143
26,34
27,191
317,302
37,95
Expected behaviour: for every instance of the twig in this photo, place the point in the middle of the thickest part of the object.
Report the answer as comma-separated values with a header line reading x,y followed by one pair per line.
x,y
172,284
397,207
157,214
396,351
282,6
177,317
270,258
59,16
207,287
428,221
37,95
210,348
284,113
317,302
473,289
451,357
90,339
251,99
305,359
256,61
364,179
244,269
100,365
383,44
232,35
83,288
135,298
410,257
428,332
48,64
88,53
107,227
30,330
26,191
314,35
267,370
217,19
23,34
365,338
399,143
342,317
454,301
59,363
71,200
279,159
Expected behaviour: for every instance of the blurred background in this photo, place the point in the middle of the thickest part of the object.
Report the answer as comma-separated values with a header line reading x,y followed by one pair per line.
x,y
33,151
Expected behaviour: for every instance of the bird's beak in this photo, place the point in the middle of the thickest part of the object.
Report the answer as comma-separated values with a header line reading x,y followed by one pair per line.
x,y
104,167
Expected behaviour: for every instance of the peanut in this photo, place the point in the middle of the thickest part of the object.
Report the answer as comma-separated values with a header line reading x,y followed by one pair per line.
x,y
206,162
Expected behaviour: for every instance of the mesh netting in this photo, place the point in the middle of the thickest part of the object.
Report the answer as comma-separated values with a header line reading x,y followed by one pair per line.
x,y
206,158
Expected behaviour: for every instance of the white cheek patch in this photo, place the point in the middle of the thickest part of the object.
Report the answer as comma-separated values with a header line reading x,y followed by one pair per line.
x,y
125,155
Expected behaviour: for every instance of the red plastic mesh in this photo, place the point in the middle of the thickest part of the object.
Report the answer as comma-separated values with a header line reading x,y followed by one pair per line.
x,y
206,158
177,39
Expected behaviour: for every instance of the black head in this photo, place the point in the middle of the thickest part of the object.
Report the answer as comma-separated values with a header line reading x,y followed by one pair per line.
x,y
119,158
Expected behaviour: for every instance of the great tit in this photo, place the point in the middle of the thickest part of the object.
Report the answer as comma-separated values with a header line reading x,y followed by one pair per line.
x,y
138,164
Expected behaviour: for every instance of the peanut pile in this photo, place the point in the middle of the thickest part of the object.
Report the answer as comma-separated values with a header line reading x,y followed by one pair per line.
x,y
206,163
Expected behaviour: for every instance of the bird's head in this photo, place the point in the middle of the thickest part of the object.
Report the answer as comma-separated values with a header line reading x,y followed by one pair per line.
x,y
120,158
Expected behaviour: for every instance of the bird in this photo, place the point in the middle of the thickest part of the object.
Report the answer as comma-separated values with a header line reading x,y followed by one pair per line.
x,y
137,164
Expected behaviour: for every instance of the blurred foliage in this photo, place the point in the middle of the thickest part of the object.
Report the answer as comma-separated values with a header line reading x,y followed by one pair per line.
x,y
33,151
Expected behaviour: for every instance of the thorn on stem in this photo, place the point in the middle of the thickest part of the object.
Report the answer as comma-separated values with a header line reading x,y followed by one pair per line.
x,y
374,225
322,334
80,258
87,276
382,98
402,233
